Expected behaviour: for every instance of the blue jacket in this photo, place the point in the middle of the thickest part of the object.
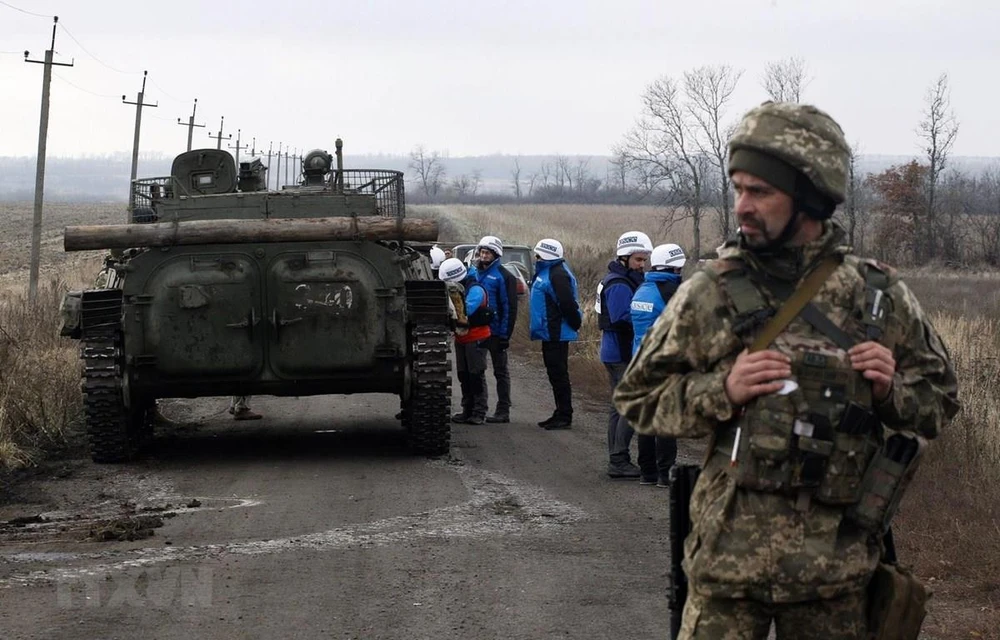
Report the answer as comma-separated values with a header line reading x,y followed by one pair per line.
x,y
648,302
494,279
555,306
615,299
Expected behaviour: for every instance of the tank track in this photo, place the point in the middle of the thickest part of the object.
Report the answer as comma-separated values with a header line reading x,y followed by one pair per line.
x,y
427,416
114,431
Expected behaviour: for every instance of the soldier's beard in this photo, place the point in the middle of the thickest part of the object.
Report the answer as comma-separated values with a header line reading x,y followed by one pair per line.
x,y
765,239
760,237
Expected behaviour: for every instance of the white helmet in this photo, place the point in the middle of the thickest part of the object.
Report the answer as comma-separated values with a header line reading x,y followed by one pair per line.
x,y
667,255
492,243
452,270
633,242
437,256
549,249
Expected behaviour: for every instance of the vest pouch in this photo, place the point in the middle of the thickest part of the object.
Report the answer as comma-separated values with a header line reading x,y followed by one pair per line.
x,y
897,604
764,466
885,481
850,459
811,462
763,458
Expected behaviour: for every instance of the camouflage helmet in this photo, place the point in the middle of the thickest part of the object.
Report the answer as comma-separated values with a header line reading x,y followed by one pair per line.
x,y
802,136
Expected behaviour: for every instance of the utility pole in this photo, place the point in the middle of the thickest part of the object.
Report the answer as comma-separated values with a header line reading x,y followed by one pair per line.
x,y
286,165
238,147
219,138
43,129
139,104
277,173
253,147
267,182
190,123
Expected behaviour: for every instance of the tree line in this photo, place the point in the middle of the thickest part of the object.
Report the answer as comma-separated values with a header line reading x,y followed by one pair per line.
x,y
674,156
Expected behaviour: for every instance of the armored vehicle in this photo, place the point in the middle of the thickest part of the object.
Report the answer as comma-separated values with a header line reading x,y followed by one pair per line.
x,y
220,286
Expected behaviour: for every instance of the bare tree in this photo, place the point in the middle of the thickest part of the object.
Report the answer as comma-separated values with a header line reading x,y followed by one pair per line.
x,y
462,185
428,168
544,175
581,173
855,205
563,174
709,90
662,150
785,80
475,181
986,221
618,171
532,181
938,130
515,178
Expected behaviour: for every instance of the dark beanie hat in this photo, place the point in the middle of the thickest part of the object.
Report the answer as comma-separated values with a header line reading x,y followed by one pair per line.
x,y
775,172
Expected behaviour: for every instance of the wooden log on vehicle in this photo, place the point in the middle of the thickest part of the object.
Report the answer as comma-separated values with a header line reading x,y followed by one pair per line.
x,y
166,234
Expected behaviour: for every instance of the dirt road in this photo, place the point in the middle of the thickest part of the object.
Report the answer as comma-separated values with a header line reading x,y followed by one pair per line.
x,y
316,522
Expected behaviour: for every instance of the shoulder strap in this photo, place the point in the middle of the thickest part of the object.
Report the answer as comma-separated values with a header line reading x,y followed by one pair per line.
x,y
666,289
799,299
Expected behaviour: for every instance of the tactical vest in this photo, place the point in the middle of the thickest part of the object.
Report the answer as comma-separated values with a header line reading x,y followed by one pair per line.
x,y
817,438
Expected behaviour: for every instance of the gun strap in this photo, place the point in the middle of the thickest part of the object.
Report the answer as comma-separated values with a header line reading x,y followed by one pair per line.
x,y
795,303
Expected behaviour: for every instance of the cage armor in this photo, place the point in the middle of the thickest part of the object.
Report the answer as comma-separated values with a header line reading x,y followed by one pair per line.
x,y
818,439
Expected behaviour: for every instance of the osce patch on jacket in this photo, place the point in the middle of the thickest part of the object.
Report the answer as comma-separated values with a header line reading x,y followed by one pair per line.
x,y
638,305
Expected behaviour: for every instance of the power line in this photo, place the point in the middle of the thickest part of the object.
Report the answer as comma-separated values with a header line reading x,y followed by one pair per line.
x,y
99,95
37,15
116,70
73,38
164,92
160,118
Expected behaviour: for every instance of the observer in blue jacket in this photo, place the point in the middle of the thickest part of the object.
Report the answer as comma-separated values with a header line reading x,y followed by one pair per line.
x,y
501,286
555,320
656,454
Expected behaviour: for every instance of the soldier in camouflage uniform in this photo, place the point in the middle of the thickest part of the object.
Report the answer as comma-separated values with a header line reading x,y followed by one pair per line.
x,y
773,537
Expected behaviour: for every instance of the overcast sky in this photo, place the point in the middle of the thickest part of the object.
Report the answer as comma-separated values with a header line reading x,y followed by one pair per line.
x,y
471,77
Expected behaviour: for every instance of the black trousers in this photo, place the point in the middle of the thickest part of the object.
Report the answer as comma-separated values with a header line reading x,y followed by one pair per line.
x,y
470,363
555,355
501,372
656,455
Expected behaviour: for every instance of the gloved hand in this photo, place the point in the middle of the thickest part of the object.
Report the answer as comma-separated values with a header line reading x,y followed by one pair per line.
x,y
503,343
575,321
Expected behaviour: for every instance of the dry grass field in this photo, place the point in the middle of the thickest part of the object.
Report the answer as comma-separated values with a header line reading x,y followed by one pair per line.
x,y
948,529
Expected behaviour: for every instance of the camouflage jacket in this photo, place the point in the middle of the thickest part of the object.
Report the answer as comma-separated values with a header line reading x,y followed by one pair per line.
x,y
752,544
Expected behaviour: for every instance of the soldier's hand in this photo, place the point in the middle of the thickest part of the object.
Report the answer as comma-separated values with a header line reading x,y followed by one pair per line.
x,y
756,374
877,364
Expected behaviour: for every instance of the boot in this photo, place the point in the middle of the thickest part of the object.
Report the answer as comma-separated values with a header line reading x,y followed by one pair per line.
x,y
558,422
246,413
623,470
546,421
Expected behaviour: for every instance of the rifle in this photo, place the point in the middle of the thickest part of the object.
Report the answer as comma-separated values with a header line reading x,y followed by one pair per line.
x,y
681,480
